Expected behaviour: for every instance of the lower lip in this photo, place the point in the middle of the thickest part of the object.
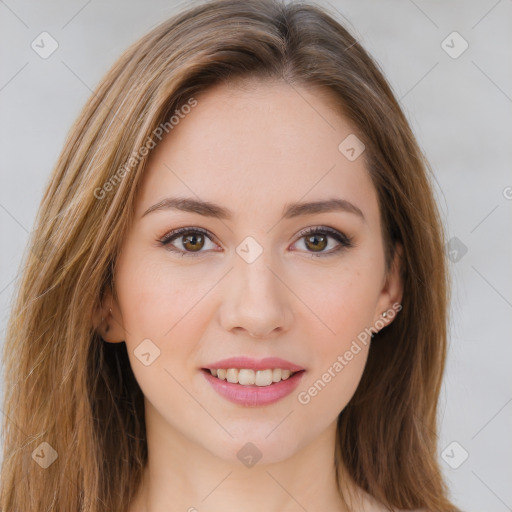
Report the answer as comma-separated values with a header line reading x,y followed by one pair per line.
x,y
254,396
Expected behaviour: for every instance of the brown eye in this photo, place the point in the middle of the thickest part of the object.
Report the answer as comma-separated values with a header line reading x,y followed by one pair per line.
x,y
193,242
316,242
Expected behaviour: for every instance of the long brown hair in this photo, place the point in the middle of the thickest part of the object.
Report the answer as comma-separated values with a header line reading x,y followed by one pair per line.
x,y
68,388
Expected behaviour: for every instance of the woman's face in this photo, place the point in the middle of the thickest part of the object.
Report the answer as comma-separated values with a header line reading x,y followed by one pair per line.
x,y
250,283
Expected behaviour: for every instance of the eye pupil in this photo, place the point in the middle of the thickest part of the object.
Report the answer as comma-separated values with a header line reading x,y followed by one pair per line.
x,y
315,243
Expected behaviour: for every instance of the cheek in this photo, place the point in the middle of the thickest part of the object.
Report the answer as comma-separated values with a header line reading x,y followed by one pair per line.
x,y
339,336
161,314
338,358
158,308
157,297
344,302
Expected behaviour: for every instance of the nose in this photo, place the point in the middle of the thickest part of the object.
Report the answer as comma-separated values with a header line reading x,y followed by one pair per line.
x,y
255,300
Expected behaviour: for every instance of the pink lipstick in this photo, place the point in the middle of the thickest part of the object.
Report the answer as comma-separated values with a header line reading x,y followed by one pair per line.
x,y
250,394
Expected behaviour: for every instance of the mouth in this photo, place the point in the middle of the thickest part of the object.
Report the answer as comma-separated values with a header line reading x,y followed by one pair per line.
x,y
253,388
252,378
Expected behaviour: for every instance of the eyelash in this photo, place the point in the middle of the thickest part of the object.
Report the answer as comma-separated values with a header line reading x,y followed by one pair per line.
x,y
344,241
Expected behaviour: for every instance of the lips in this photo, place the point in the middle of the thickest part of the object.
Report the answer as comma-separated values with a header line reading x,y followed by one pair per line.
x,y
259,393
253,396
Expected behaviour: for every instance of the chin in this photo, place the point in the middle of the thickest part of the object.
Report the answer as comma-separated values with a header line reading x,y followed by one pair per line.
x,y
249,448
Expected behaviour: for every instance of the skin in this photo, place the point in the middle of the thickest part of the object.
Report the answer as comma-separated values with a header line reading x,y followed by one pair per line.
x,y
252,150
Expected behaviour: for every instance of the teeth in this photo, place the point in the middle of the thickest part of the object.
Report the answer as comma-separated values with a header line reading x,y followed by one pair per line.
x,y
232,375
247,377
263,378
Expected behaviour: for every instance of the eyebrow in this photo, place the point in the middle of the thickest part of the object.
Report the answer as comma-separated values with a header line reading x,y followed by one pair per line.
x,y
291,210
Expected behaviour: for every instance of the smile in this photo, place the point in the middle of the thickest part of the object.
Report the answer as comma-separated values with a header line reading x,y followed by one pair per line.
x,y
249,377
253,388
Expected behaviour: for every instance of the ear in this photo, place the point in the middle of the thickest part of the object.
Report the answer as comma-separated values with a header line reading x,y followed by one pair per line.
x,y
107,319
390,297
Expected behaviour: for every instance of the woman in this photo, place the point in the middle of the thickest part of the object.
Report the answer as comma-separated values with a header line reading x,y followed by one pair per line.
x,y
236,297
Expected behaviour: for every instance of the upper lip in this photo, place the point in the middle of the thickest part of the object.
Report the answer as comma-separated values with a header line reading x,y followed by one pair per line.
x,y
241,362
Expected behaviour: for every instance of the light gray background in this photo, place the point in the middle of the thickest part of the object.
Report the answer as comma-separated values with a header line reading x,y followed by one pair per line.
x,y
460,110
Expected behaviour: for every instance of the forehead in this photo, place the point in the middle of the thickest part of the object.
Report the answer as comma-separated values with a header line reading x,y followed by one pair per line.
x,y
255,148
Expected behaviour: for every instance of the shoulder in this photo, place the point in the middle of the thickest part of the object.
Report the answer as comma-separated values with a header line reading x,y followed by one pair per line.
x,y
367,503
